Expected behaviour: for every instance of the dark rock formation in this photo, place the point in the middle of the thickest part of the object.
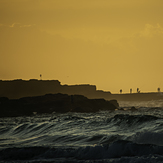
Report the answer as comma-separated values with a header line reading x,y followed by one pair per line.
x,y
49,103
15,89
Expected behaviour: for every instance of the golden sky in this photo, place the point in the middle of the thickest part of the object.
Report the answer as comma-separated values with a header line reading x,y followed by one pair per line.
x,y
113,44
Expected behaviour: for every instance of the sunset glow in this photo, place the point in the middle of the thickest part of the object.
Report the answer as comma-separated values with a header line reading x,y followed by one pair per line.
x,y
111,44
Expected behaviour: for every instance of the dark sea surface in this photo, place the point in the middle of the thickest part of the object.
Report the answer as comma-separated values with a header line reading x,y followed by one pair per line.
x,y
121,136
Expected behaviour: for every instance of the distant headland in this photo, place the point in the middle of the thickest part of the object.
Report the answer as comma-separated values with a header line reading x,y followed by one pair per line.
x,y
15,89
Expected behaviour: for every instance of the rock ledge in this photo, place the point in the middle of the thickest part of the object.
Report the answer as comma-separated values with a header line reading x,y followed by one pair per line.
x,y
50,103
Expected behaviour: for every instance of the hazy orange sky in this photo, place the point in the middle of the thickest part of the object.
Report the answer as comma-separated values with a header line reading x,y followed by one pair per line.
x,y
113,44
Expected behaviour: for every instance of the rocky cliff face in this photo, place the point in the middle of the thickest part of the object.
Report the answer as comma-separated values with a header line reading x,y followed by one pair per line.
x,y
50,103
16,89
21,88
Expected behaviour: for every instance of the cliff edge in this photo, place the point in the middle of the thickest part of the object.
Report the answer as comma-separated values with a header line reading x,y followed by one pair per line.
x,y
15,89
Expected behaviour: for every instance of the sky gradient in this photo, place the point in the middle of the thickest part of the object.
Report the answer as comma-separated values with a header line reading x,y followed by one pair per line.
x,y
113,44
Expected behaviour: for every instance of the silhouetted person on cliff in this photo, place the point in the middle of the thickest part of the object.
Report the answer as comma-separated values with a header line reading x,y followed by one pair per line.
x,y
138,91
130,90
158,89
40,77
120,91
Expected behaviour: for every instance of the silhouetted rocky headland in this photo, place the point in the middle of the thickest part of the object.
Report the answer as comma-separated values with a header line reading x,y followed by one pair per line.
x,y
15,89
50,103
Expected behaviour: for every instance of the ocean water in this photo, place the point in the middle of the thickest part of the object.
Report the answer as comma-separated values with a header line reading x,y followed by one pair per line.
x,y
126,135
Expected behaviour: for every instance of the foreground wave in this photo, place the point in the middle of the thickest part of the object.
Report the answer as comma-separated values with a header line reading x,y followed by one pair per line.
x,y
116,150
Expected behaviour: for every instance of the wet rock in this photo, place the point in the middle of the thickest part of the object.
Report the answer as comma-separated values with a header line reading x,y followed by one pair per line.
x,y
133,108
49,103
